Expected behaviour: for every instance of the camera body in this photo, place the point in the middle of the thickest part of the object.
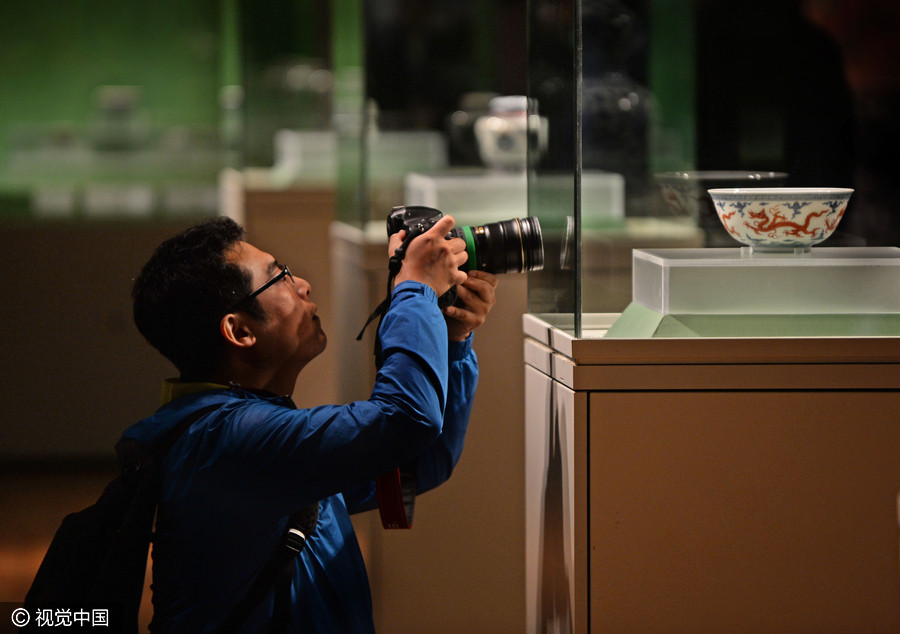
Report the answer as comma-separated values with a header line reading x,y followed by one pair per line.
x,y
509,246
415,220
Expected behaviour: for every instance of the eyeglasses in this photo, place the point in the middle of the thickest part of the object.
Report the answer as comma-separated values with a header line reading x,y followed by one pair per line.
x,y
283,273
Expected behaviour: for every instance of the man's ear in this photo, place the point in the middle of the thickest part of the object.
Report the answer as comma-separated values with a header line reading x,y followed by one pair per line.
x,y
237,331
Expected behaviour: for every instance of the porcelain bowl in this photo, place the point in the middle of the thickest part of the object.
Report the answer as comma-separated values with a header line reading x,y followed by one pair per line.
x,y
780,219
685,195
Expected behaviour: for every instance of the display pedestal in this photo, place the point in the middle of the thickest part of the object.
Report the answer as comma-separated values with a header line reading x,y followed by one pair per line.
x,y
711,484
493,195
739,281
828,292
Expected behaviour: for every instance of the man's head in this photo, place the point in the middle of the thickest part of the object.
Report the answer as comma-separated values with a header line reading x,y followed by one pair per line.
x,y
222,310
185,289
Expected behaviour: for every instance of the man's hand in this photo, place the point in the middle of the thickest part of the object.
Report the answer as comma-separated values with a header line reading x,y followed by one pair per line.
x,y
476,297
432,259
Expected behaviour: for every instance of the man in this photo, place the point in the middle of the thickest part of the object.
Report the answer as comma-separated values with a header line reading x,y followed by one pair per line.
x,y
240,327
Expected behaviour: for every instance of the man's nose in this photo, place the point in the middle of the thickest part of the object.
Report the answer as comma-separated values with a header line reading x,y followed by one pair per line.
x,y
304,288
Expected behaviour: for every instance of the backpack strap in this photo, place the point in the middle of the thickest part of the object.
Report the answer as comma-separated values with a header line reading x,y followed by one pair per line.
x,y
133,457
301,526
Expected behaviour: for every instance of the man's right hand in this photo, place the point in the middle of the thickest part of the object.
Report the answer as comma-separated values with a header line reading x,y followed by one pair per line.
x,y
431,258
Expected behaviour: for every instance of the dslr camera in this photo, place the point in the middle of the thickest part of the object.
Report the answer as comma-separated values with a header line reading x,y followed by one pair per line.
x,y
508,246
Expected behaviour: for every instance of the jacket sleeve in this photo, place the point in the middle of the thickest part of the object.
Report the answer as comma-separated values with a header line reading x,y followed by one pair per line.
x,y
435,464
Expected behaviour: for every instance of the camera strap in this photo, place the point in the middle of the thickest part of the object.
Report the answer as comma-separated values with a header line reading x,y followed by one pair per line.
x,y
394,264
396,489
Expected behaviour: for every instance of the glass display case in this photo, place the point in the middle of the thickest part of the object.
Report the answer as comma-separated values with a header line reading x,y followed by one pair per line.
x,y
597,77
409,95
644,89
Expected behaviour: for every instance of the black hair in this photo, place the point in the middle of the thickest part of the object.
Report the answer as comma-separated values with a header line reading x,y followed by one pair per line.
x,y
185,289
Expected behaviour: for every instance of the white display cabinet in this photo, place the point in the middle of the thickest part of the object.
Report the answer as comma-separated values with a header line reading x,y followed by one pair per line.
x,y
710,484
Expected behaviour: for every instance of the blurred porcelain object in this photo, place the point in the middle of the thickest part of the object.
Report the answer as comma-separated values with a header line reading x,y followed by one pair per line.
x,y
780,219
503,135
460,126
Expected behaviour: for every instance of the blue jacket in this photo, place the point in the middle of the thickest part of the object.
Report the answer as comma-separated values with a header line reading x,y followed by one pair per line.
x,y
238,472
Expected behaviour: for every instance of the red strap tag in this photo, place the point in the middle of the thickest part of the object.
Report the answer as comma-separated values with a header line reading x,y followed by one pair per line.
x,y
396,493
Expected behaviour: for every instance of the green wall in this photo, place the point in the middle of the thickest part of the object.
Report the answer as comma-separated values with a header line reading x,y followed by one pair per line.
x,y
54,53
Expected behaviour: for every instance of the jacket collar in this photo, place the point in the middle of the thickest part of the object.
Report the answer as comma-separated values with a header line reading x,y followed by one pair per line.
x,y
176,388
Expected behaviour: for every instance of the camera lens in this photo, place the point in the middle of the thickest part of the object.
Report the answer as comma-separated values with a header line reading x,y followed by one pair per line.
x,y
508,246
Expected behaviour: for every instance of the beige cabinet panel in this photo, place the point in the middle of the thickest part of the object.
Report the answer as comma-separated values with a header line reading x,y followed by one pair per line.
x,y
758,511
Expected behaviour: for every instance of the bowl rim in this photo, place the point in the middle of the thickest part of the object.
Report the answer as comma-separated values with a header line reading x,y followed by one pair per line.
x,y
782,192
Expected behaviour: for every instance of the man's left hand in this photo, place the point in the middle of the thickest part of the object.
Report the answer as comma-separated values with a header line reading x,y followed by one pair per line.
x,y
475,298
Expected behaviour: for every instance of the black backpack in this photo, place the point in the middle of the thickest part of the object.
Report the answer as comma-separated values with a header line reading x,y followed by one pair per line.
x,y
98,557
